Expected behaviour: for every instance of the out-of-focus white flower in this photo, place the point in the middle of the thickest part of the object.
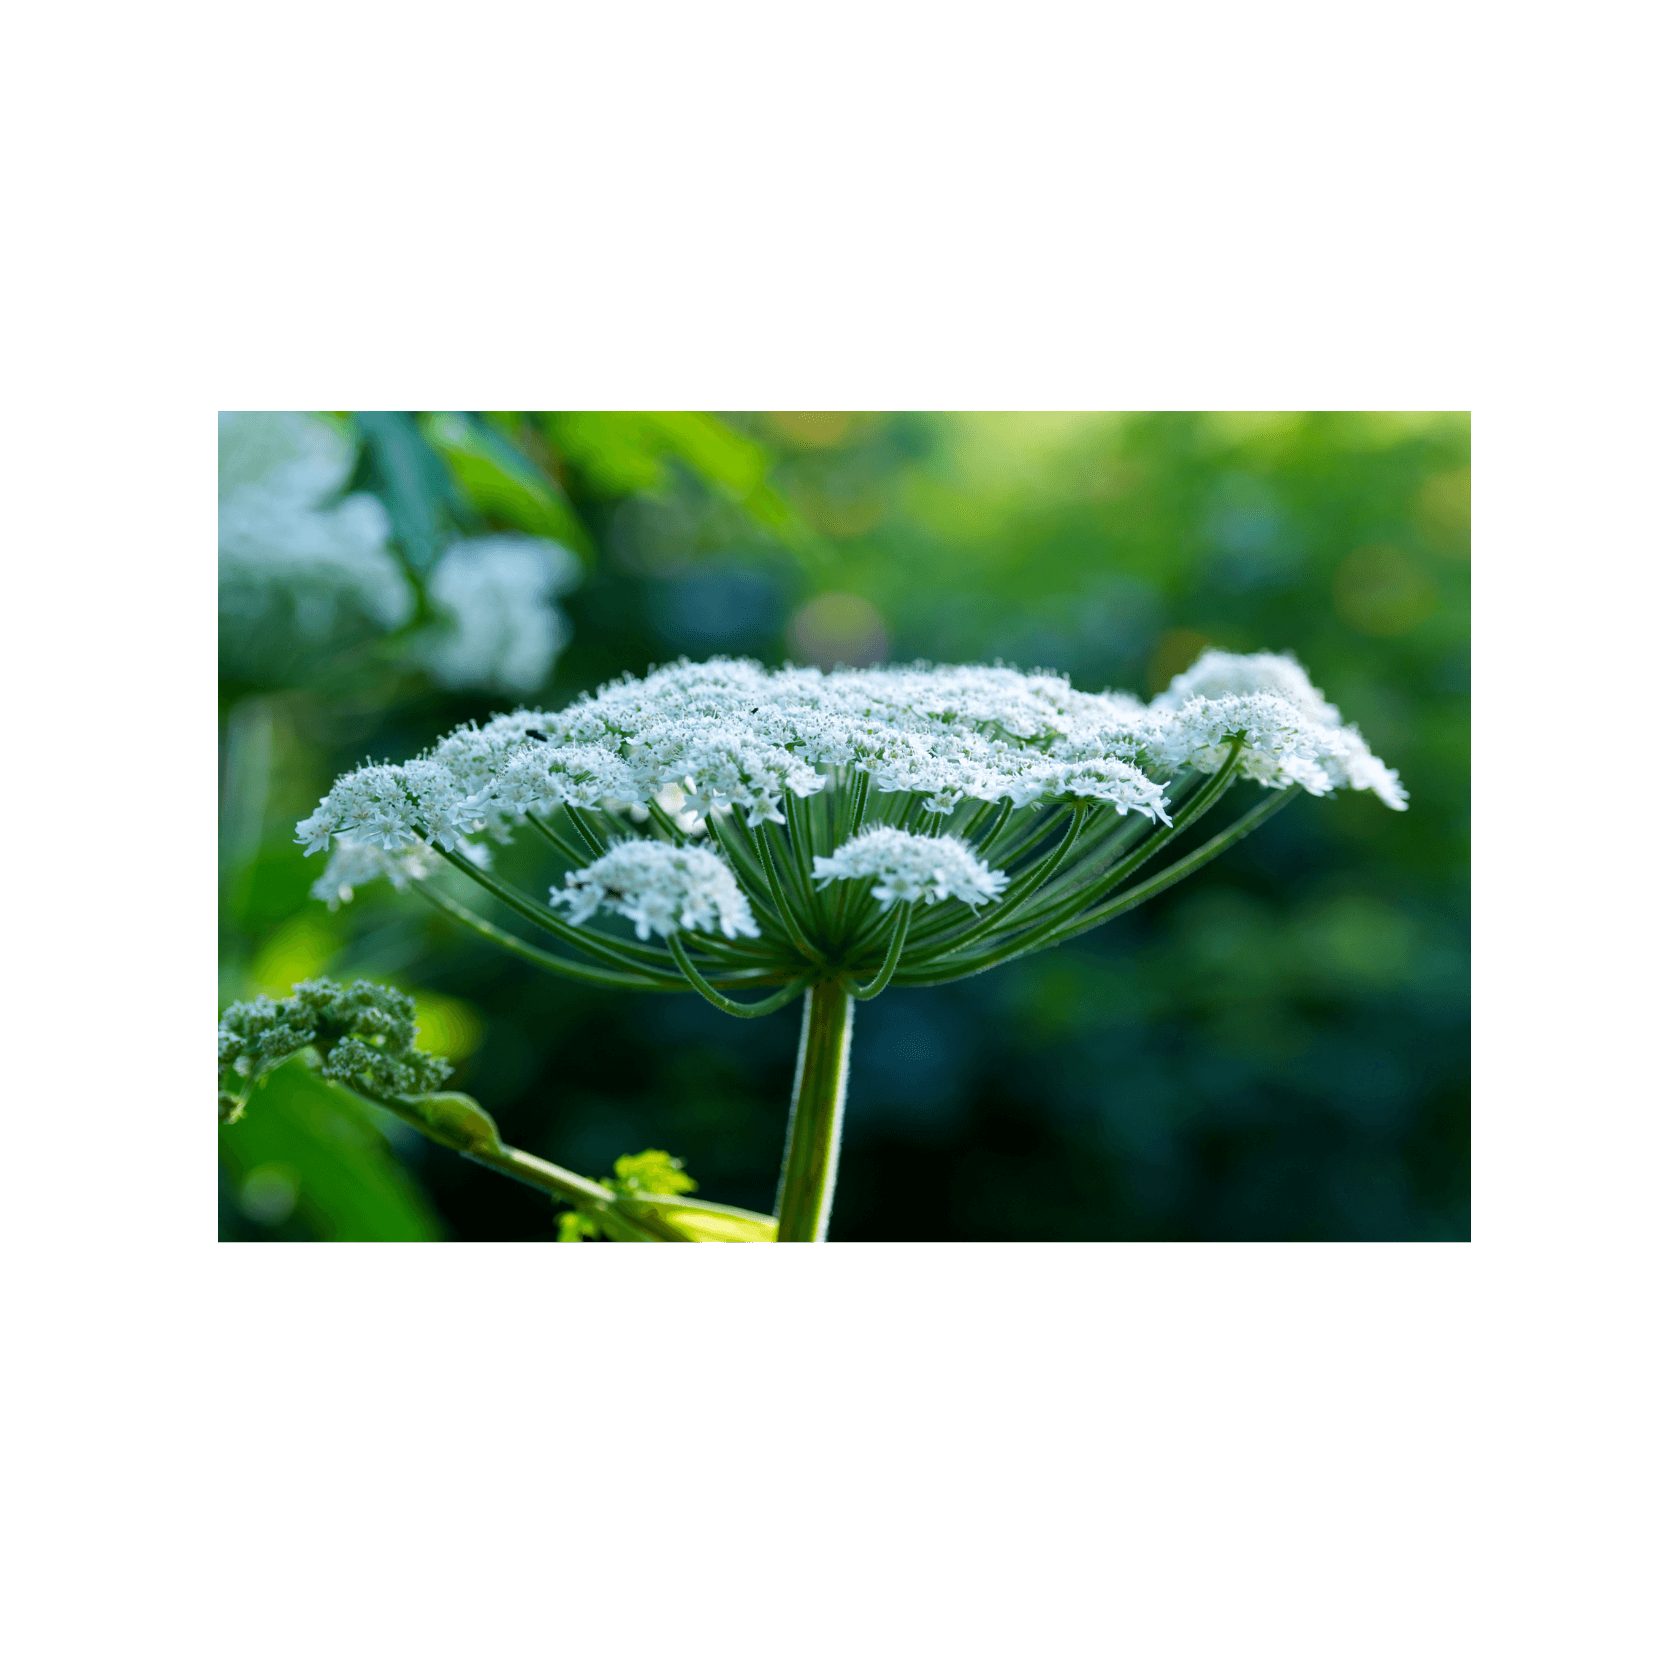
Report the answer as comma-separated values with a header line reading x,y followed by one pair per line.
x,y
911,868
501,629
292,557
659,888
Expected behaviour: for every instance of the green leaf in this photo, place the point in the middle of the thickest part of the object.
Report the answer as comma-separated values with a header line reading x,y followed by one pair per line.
x,y
653,1172
503,483
414,484
620,453
349,1186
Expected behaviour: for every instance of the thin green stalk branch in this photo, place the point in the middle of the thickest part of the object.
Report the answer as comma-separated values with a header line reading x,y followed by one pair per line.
x,y
892,957
1019,892
794,932
611,949
749,869
573,969
1212,848
801,838
672,830
734,1008
593,842
1051,934
810,1164
1099,850
858,803
485,1148
929,974
984,845
560,844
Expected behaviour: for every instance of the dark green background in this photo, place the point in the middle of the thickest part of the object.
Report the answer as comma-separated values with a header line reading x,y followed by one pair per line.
x,y
1279,1049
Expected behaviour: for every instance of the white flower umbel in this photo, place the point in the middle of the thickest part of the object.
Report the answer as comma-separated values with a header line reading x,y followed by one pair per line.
x,y
911,868
1060,809
659,888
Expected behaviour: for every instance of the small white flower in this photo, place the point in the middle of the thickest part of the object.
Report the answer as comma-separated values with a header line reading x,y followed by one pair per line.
x,y
910,868
659,888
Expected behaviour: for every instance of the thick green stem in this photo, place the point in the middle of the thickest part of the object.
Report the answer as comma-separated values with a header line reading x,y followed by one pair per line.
x,y
810,1165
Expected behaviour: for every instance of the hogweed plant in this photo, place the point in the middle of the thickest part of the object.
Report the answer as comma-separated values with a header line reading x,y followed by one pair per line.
x,y
755,836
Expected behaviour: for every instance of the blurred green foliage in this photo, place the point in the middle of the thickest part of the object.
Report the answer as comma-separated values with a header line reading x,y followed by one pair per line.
x,y
1277,1049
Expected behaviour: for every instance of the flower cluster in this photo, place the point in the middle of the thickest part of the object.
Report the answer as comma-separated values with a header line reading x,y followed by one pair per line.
x,y
1293,735
660,889
365,1032
910,867
727,734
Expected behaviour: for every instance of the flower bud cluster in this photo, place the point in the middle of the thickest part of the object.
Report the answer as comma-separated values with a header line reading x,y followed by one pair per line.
x,y
366,1033
910,868
660,889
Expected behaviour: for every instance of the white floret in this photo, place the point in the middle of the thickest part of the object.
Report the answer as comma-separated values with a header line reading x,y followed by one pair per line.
x,y
659,888
911,868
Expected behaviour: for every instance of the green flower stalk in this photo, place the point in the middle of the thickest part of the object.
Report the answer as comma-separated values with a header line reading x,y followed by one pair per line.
x,y
770,835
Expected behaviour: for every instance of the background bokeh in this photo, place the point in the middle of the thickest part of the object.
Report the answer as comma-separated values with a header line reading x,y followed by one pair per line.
x,y
1277,1049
